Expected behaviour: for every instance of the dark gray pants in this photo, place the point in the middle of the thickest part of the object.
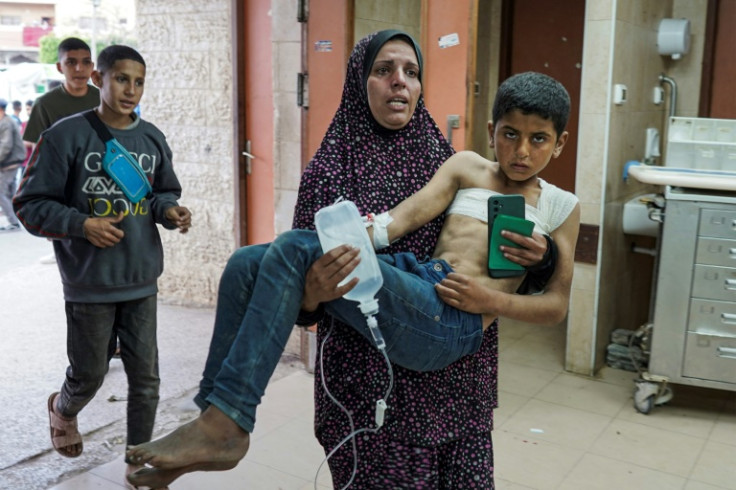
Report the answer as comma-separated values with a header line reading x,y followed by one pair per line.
x,y
92,329
8,183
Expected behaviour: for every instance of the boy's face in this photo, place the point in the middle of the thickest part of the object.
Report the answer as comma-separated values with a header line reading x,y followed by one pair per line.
x,y
524,144
121,87
76,66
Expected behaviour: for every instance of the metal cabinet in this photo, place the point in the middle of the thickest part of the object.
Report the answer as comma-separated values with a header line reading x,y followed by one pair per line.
x,y
694,333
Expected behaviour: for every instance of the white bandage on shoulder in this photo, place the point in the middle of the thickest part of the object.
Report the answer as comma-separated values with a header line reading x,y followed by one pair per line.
x,y
380,230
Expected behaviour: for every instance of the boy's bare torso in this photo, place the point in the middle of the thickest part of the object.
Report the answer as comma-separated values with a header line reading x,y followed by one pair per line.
x,y
463,242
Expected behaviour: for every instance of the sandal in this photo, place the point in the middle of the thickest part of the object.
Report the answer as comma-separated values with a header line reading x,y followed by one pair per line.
x,y
64,433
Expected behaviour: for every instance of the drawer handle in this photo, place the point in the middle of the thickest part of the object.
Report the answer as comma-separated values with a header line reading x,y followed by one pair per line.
x,y
727,352
728,318
731,284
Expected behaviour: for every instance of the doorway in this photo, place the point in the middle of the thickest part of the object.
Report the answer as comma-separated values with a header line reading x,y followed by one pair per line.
x,y
717,97
555,49
254,125
446,41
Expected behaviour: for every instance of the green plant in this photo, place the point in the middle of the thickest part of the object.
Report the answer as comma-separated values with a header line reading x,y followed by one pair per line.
x,y
47,48
49,45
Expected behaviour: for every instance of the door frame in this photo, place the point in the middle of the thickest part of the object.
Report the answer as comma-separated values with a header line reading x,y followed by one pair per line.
x,y
327,41
241,193
253,65
564,170
446,92
715,54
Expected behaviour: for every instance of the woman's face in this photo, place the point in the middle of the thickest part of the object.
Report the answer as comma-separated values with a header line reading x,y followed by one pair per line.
x,y
393,85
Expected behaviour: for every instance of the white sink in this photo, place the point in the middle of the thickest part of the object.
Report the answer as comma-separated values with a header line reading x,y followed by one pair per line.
x,y
719,180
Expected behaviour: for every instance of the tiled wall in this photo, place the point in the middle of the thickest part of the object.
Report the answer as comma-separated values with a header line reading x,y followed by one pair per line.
x,y
620,48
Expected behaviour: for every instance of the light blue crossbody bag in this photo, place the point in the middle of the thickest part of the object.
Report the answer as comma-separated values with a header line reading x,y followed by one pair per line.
x,y
119,164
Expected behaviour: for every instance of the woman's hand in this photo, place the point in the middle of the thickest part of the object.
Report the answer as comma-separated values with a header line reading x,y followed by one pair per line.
x,y
323,277
531,249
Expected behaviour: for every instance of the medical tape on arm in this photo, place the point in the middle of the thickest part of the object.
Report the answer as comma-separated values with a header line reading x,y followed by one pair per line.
x,y
380,230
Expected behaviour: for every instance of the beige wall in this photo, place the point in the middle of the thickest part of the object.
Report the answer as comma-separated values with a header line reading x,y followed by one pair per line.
x,y
190,95
488,39
387,14
686,71
620,48
286,39
188,47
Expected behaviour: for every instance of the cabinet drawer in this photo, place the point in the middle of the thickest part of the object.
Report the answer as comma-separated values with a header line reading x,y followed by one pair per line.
x,y
716,251
710,357
711,282
717,223
712,318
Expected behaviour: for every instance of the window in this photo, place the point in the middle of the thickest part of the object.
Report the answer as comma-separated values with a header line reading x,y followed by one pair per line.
x,y
86,23
10,20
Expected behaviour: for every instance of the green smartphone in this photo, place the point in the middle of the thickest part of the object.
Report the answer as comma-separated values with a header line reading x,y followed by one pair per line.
x,y
511,205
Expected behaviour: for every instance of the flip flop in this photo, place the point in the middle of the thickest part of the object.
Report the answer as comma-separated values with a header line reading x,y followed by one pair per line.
x,y
63,443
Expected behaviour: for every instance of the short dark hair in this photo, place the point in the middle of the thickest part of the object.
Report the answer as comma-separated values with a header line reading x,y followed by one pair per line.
x,y
117,52
533,93
17,105
71,44
29,102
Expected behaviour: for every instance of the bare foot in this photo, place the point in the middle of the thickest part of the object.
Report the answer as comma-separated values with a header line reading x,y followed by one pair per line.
x,y
211,438
132,468
158,478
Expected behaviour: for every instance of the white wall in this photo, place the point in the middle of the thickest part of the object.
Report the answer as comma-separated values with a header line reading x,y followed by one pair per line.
x,y
188,47
190,95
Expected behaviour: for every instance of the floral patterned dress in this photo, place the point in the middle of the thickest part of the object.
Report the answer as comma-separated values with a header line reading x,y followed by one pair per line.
x,y
377,168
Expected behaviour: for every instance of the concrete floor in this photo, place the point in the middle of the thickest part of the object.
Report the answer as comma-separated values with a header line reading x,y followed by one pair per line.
x,y
554,430
33,361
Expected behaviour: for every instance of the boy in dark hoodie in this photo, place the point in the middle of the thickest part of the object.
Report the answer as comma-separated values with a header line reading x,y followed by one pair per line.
x,y
107,247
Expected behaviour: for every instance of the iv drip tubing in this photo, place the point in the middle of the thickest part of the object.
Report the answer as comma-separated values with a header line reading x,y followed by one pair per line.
x,y
353,432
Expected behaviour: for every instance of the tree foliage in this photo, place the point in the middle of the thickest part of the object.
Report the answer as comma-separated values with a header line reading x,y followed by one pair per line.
x,y
48,45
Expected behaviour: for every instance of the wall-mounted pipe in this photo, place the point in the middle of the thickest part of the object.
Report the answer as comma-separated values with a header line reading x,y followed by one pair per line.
x,y
673,91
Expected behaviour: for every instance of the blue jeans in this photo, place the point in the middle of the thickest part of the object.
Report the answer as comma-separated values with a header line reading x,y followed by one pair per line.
x,y
258,302
92,330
